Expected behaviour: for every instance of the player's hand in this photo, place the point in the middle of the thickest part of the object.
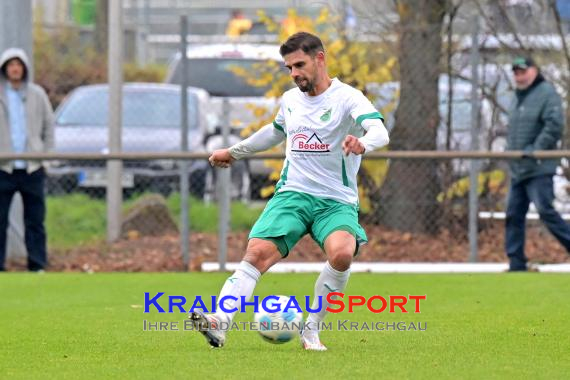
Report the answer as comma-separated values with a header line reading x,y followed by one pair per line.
x,y
221,158
352,144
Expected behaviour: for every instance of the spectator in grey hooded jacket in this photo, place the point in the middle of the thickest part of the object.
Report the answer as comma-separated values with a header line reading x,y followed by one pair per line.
x,y
535,123
26,126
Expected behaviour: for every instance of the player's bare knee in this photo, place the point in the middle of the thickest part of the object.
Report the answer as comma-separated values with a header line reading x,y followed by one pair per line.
x,y
340,247
254,257
262,254
341,259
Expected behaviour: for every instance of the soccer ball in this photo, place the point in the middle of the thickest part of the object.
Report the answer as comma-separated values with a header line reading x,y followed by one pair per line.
x,y
278,327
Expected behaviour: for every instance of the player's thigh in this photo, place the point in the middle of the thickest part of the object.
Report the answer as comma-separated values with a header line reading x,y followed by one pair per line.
x,y
284,221
340,242
335,217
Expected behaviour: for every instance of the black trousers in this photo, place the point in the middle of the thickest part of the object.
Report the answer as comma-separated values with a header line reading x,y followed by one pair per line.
x,y
31,188
540,191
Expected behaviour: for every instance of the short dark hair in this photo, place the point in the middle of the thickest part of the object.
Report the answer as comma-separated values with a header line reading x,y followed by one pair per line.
x,y
307,42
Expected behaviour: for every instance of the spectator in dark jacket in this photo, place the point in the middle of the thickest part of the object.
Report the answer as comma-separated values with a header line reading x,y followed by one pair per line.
x,y
535,123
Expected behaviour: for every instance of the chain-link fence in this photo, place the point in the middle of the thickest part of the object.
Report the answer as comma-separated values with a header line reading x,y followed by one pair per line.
x,y
403,228
441,75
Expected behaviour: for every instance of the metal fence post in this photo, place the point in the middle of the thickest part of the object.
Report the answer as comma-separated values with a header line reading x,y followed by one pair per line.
x,y
115,167
184,181
142,32
223,190
475,133
16,31
16,27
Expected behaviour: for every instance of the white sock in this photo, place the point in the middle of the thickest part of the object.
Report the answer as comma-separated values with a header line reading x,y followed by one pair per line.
x,y
330,280
241,283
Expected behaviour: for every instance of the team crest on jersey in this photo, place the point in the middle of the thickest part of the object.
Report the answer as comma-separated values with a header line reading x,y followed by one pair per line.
x,y
307,142
327,115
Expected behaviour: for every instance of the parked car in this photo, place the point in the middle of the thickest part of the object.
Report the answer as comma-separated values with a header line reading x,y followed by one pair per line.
x,y
388,94
212,67
151,123
492,123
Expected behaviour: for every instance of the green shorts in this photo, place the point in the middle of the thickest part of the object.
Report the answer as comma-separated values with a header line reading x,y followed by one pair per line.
x,y
289,215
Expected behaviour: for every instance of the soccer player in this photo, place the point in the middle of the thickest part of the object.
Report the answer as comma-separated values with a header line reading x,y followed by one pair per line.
x,y
328,125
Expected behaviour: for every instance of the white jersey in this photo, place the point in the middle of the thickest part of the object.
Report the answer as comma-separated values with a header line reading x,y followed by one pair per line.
x,y
315,127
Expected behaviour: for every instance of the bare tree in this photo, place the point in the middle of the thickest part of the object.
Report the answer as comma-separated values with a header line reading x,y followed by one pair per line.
x,y
407,202
452,13
566,78
102,26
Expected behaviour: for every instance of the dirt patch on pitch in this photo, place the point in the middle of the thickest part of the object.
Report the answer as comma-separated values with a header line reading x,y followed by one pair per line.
x,y
162,253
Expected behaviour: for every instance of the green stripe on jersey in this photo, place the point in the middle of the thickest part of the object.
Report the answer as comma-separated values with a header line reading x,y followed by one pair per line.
x,y
283,178
278,127
372,115
344,176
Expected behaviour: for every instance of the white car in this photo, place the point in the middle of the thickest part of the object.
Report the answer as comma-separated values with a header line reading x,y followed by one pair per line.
x,y
212,67
460,139
151,123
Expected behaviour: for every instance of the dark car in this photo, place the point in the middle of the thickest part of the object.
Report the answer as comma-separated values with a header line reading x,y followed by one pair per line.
x,y
151,123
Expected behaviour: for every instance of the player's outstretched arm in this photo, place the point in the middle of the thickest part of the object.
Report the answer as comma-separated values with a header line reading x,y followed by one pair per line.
x,y
265,138
221,158
375,137
352,144
268,136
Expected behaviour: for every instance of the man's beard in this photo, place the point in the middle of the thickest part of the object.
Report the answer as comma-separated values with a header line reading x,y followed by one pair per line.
x,y
308,87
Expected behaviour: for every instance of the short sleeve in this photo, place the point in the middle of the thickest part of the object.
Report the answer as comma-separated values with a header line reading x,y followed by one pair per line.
x,y
360,108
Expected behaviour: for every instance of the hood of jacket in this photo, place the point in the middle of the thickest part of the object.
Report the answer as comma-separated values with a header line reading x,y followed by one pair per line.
x,y
12,53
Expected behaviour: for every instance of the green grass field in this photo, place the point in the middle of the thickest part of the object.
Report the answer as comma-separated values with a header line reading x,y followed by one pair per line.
x,y
71,326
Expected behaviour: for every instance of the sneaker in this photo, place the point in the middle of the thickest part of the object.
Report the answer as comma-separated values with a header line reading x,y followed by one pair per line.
x,y
207,325
311,342
511,270
531,267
